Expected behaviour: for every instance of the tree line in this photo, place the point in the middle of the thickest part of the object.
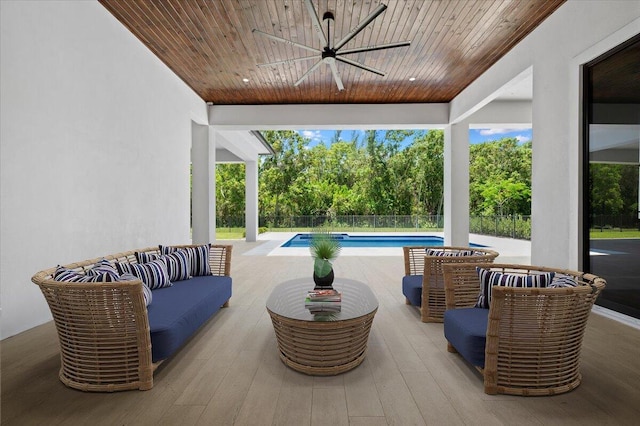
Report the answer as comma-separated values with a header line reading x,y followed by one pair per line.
x,y
380,173
376,175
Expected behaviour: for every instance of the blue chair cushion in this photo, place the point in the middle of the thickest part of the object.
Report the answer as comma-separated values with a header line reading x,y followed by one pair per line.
x,y
178,311
466,330
412,289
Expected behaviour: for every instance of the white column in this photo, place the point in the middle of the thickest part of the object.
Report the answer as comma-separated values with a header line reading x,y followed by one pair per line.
x,y
251,200
556,223
456,184
203,185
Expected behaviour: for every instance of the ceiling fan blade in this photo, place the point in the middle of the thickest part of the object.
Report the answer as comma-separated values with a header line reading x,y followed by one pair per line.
x,y
282,40
316,22
381,8
336,75
376,47
309,71
360,65
287,61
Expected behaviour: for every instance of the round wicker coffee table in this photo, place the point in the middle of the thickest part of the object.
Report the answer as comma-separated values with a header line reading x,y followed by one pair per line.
x,y
322,344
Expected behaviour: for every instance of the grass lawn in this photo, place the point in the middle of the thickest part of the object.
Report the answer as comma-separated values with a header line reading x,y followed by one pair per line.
x,y
229,233
614,233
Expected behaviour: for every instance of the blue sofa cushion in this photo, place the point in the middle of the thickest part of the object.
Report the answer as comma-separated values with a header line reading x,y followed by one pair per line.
x,y
466,330
178,311
412,289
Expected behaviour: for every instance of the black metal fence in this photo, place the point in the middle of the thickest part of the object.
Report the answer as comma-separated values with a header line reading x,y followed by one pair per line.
x,y
354,222
614,222
516,226
503,226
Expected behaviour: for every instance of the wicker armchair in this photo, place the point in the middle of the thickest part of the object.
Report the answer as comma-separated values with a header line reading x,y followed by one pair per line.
x,y
425,273
533,335
103,328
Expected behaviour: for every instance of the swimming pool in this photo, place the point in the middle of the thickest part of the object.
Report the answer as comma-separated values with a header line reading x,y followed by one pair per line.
x,y
346,240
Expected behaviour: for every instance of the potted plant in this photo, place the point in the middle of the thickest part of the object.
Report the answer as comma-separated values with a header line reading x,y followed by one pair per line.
x,y
324,249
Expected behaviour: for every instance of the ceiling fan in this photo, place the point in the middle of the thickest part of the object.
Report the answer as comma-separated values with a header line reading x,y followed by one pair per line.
x,y
331,51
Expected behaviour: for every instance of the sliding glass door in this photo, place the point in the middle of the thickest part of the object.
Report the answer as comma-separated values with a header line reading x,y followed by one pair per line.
x,y
612,141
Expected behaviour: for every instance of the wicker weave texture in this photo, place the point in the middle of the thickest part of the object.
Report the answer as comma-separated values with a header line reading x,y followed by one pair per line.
x,y
322,348
416,262
103,328
534,335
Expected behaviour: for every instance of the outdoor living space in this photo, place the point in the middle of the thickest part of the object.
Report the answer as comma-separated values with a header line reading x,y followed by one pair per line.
x,y
230,372
114,117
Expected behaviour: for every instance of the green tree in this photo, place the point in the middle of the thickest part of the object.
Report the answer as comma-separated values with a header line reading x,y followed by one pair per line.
x,y
629,188
606,195
230,191
502,197
496,170
379,175
425,165
281,176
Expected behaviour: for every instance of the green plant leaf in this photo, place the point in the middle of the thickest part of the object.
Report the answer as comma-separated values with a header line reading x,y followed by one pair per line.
x,y
324,246
324,249
321,267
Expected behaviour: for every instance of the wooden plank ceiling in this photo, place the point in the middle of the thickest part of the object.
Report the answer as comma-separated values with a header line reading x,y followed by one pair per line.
x,y
211,46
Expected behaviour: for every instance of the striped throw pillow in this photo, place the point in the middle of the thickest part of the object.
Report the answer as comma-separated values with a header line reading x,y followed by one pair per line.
x,y
147,294
67,275
488,279
144,256
178,263
562,281
103,266
154,274
198,257
94,276
437,252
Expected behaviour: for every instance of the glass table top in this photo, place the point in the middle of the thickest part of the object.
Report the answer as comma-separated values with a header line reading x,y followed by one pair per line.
x,y
288,300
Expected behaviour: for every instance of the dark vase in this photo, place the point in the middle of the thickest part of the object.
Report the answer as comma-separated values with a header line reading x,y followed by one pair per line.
x,y
324,282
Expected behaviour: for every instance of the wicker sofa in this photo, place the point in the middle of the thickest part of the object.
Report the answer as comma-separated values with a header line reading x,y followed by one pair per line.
x,y
109,339
423,282
528,341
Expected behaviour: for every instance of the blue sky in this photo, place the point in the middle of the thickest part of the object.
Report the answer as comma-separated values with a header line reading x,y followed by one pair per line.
x,y
475,135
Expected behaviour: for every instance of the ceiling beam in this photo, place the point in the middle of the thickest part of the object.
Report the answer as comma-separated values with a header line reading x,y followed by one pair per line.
x,y
335,117
512,114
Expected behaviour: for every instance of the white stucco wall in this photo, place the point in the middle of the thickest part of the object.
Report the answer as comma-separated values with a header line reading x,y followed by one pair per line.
x,y
555,51
95,146
96,135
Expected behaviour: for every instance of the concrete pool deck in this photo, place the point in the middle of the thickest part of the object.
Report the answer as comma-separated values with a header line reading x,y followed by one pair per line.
x,y
511,250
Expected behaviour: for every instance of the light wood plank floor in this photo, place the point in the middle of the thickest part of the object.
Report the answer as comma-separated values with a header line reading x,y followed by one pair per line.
x,y
230,373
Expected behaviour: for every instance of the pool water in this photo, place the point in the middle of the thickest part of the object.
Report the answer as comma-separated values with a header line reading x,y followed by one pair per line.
x,y
346,240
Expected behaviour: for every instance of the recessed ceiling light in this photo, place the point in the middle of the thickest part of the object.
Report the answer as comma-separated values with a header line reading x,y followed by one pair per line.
x,y
246,80
412,79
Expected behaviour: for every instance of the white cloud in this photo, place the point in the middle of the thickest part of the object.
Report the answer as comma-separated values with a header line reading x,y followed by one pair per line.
x,y
523,138
314,135
489,132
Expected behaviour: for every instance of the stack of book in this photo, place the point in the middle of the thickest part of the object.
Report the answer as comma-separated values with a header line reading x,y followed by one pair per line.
x,y
323,301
